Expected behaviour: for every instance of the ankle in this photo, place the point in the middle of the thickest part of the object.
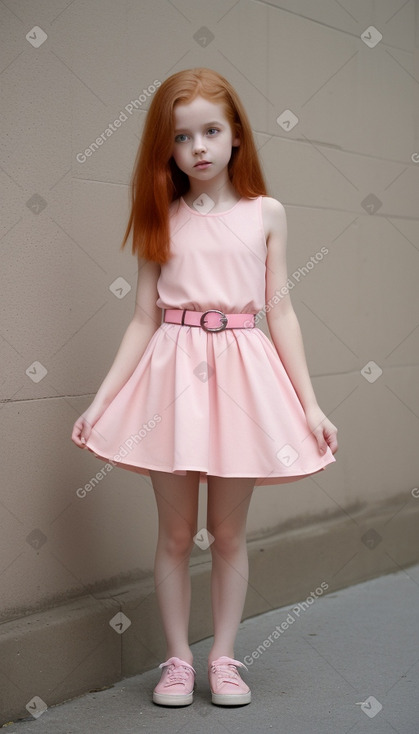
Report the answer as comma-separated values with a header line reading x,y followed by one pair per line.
x,y
184,655
217,654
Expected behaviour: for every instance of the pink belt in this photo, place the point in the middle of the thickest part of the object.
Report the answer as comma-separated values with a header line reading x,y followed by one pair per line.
x,y
211,320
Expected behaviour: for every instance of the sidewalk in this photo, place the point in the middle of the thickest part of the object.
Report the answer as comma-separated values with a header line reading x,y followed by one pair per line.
x,y
360,644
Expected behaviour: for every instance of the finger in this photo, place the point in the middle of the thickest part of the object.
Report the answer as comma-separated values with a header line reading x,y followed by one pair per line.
x,y
85,433
77,428
321,441
77,437
333,445
77,442
331,440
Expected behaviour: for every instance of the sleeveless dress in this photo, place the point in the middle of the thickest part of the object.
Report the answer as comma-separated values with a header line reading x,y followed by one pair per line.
x,y
220,403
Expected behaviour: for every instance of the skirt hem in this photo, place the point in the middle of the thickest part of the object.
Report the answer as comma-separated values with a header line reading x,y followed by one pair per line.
x,y
181,471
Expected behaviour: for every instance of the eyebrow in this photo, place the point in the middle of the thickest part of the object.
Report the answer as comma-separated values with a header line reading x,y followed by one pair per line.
x,y
206,124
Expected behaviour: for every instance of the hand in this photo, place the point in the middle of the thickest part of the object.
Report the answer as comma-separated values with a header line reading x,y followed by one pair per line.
x,y
323,430
83,426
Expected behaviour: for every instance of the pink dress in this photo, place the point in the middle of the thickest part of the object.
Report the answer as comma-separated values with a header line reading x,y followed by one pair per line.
x,y
220,403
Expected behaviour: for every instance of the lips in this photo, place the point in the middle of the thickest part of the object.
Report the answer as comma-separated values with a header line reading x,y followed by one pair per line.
x,y
202,163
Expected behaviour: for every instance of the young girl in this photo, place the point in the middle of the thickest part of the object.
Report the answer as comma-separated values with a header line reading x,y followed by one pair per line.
x,y
203,395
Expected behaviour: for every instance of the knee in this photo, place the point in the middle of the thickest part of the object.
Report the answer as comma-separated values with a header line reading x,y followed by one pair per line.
x,y
226,541
178,542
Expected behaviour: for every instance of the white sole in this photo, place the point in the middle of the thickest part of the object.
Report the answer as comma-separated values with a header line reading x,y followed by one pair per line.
x,y
234,699
165,699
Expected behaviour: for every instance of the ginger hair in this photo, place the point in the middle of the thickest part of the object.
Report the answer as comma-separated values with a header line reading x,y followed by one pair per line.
x,y
156,179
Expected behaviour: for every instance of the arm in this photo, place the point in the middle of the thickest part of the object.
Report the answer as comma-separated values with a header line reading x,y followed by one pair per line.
x,y
285,329
146,320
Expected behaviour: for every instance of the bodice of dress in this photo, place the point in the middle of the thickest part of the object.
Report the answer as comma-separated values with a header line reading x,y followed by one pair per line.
x,y
218,260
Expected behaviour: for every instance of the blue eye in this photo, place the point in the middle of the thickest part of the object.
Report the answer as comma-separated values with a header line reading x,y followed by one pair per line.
x,y
214,129
182,135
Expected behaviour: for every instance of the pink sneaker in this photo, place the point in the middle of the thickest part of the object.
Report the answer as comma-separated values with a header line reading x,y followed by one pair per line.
x,y
227,688
175,687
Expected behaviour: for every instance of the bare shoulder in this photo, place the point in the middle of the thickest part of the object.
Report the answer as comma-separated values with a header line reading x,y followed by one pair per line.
x,y
274,217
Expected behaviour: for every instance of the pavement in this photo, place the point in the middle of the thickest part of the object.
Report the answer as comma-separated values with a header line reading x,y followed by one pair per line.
x,y
338,663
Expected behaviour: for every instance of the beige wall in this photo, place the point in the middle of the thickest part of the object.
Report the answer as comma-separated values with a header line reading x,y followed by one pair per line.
x,y
356,137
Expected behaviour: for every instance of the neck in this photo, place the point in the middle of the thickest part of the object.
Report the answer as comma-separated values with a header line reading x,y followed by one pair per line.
x,y
219,189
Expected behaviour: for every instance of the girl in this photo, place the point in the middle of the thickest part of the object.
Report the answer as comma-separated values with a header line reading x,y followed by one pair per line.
x,y
204,395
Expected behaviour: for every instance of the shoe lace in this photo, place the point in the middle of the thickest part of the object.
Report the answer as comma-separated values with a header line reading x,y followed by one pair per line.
x,y
227,672
177,673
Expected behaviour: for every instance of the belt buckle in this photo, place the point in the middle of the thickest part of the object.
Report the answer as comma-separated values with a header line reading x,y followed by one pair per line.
x,y
223,320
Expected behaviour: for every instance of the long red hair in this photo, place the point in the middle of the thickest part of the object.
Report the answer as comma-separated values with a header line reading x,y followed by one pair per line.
x,y
156,179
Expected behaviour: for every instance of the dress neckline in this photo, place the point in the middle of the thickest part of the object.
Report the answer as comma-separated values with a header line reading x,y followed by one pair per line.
x,y
210,214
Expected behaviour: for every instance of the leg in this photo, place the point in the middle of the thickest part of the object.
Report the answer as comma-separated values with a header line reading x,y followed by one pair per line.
x,y
228,504
177,504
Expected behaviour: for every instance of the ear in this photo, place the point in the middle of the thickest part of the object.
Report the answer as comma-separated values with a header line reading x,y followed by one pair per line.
x,y
236,142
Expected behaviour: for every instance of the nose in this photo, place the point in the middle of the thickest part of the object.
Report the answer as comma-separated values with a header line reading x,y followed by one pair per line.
x,y
198,145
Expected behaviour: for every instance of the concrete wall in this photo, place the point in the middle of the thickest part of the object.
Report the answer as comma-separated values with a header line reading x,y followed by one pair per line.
x,y
348,176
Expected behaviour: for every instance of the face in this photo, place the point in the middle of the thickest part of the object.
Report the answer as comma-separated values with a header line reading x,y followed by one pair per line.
x,y
202,133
